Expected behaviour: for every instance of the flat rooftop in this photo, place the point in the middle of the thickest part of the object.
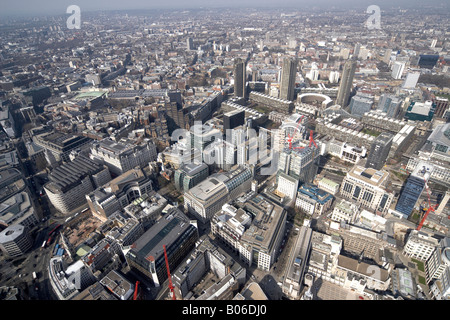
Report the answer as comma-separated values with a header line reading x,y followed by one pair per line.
x,y
441,135
266,221
209,187
193,168
362,268
71,173
164,232
299,254
369,175
254,292
118,285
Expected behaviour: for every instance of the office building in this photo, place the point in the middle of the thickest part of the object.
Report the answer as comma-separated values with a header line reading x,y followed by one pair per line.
x,y
260,243
176,116
176,233
300,164
397,70
371,221
18,209
207,198
188,274
390,104
356,49
328,185
440,172
221,154
359,276
346,84
189,175
420,111
7,122
68,281
323,258
298,259
439,261
59,145
359,241
233,119
118,193
16,205
118,285
208,257
9,159
413,188
440,289
420,246
286,186
15,240
229,225
190,43
288,74
360,104
124,231
124,155
442,105
69,183
438,271
202,135
345,211
427,61
379,151
240,78
367,186
387,56
103,256
411,80
147,209
311,199
403,284
436,152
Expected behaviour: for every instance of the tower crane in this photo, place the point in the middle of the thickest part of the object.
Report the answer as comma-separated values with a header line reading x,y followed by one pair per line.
x,y
430,208
171,287
136,291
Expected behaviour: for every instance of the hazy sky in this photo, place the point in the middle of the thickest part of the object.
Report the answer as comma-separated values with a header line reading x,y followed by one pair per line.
x,y
41,7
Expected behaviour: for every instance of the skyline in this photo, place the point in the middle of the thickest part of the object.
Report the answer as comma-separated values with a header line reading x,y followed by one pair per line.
x,y
51,7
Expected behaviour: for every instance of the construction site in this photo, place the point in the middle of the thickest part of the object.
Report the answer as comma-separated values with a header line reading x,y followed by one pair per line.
x,y
78,231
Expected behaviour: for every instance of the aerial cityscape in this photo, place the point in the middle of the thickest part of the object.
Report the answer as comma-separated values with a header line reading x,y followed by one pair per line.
x,y
234,152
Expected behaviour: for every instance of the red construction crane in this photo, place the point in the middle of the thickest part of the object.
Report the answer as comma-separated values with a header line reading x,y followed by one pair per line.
x,y
311,140
171,287
135,296
430,208
290,137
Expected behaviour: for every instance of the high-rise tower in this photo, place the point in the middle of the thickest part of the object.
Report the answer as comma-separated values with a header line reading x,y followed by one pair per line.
x,y
288,79
190,44
240,78
379,151
346,83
